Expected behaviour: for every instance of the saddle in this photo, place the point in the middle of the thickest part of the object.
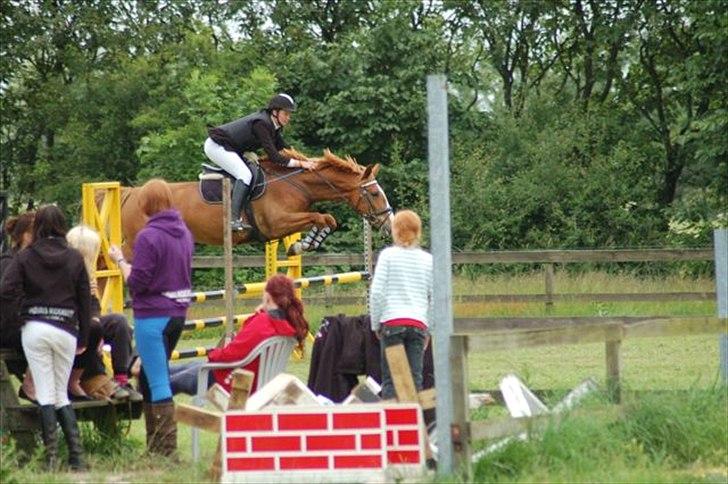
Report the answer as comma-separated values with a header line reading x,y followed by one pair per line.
x,y
210,188
210,185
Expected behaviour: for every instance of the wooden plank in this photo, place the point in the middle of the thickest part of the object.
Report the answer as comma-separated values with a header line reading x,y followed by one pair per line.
x,y
218,397
404,384
521,298
563,256
490,257
460,404
593,333
240,387
675,327
198,417
428,398
492,326
399,368
545,332
634,325
498,428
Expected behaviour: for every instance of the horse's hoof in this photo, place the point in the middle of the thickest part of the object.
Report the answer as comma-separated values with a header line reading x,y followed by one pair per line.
x,y
296,248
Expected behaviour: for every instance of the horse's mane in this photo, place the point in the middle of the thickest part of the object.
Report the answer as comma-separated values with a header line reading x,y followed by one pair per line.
x,y
329,160
348,164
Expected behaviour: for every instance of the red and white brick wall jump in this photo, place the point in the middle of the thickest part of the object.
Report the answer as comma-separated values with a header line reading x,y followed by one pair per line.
x,y
322,444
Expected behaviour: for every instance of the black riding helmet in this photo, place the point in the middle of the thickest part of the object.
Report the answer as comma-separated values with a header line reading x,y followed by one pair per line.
x,y
281,101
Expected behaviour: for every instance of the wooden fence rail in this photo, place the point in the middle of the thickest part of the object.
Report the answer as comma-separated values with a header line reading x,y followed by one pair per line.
x,y
546,257
488,257
492,334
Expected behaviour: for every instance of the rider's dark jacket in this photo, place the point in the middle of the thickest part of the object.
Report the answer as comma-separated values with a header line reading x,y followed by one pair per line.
x,y
251,133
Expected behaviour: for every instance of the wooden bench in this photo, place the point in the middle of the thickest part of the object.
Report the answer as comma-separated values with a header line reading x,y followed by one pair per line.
x,y
22,420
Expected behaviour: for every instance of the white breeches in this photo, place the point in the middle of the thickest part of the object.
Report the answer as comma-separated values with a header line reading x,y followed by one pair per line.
x,y
50,352
228,161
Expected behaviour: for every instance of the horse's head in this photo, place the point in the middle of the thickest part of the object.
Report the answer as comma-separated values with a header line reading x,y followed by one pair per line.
x,y
372,202
360,184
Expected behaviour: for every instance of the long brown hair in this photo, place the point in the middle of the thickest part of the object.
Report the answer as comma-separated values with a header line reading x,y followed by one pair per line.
x,y
49,222
280,288
16,227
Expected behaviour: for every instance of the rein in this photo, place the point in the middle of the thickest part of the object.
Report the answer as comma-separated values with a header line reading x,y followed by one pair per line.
x,y
371,215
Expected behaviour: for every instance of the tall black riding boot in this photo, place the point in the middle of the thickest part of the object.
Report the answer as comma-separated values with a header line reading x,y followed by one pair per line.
x,y
239,198
67,418
49,430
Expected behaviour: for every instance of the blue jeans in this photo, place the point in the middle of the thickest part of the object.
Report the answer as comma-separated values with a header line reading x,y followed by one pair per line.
x,y
155,339
413,340
183,378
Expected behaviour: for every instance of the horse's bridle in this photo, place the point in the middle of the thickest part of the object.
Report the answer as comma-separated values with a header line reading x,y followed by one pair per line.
x,y
374,217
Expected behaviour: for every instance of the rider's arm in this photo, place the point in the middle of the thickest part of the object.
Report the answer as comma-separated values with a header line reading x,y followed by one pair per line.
x,y
266,141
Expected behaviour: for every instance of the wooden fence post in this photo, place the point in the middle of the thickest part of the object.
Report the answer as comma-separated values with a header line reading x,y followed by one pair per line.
x,y
228,246
613,346
549,276
460,429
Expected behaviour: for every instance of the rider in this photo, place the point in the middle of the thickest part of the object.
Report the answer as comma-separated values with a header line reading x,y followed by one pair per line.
x,y
227,143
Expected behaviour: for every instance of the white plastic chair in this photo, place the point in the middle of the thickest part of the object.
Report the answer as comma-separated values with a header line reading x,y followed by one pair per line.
x,y
274,354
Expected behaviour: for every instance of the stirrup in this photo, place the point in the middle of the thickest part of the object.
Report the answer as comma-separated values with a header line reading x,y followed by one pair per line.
x,y
239,225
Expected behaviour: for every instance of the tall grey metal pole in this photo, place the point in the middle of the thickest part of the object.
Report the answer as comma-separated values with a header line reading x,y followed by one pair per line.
x,y
439,160
720,244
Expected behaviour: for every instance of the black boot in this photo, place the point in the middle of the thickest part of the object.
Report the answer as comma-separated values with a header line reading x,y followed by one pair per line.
x,y
67,418
239,198
49,430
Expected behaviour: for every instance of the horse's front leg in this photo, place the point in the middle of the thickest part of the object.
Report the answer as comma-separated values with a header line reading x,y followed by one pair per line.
x,y
321,225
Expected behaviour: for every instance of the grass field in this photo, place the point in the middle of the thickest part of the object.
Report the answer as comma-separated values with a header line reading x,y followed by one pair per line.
x,y
625,452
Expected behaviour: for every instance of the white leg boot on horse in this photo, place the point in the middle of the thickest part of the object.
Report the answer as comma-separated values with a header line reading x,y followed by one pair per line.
x,y
313,240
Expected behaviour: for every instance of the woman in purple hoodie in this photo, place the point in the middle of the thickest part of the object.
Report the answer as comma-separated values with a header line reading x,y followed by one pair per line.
x,y
160,283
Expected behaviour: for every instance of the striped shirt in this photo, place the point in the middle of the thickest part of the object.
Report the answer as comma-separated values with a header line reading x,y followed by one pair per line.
x,y
402,286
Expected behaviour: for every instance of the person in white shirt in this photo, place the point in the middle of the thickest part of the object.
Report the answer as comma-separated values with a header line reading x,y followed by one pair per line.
x,y
401,297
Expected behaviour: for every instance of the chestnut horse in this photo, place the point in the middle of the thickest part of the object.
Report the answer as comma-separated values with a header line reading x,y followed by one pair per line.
x,y
284,207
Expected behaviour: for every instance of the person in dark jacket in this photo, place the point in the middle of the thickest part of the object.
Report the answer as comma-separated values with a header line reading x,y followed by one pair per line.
x,y
226,145
160,283
20,230
47,286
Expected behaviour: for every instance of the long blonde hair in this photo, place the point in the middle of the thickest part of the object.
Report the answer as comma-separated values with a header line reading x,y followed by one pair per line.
x,y
85,239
